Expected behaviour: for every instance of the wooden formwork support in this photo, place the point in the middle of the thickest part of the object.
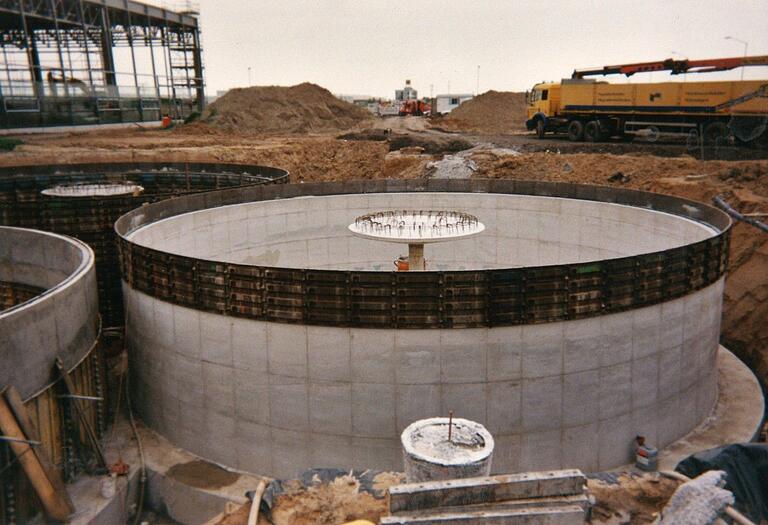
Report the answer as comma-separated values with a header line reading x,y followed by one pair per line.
x,y
493,489
16,424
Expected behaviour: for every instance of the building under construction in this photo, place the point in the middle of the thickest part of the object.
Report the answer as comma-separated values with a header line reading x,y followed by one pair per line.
x,y
74,62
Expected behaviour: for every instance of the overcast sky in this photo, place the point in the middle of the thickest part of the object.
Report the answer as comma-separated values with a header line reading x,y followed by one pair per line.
x,y
369,47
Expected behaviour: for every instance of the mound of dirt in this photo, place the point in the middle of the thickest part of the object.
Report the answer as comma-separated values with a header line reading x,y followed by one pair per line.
x,y
341,500
429,143
304,108
491,112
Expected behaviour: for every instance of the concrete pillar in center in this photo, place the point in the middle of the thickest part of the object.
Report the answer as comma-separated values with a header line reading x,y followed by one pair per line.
x,y
416,257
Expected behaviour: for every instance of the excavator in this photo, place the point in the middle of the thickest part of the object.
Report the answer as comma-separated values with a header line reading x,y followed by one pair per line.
x,y
591,110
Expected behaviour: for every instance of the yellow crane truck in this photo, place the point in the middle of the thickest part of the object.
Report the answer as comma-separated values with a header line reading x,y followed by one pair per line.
x,y
594,111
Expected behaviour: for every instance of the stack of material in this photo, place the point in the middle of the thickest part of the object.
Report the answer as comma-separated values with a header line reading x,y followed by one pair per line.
x,y
551,498
491,112
305,108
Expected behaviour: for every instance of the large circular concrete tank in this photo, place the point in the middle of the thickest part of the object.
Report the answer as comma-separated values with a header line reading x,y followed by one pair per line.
x,y
265,336
75,200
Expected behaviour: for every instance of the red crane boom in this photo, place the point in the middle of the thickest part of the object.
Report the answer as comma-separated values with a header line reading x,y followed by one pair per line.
x,y
676,67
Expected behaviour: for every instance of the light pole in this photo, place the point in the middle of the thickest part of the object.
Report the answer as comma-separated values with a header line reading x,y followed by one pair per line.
x,y
746,46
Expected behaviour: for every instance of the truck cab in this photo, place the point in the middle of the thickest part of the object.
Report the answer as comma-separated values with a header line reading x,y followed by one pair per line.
x,y
543,103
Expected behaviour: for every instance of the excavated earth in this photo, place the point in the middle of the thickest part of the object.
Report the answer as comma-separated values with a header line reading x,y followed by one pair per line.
x,y
491,112
304,108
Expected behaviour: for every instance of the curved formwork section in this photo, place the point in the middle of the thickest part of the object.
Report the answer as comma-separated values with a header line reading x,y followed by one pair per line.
x,y
84,201
581,317
61,320
521,231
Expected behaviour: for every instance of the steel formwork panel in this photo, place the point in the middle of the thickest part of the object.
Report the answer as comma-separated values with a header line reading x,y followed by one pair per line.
x,y
430,299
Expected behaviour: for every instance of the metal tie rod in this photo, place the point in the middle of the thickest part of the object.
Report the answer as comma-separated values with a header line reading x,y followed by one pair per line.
x,y
76,396
31,442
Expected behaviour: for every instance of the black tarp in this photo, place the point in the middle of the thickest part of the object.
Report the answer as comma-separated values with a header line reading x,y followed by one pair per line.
x,y
747,469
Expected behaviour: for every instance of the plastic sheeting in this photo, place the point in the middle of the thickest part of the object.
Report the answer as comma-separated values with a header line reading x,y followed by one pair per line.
x,y
746,466
698,501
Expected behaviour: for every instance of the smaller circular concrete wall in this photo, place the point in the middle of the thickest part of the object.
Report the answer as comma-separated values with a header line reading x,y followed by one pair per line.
x,y
61,322
91,218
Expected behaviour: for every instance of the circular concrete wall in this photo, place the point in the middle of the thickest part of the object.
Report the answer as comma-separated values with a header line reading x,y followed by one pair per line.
x,y
90,216
263,337
521,230
63,320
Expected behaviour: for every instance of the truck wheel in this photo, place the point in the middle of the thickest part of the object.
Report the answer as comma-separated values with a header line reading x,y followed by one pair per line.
x,y
576,131
540,129
592,131
715,132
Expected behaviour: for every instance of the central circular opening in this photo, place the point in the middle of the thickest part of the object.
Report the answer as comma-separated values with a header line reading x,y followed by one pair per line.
x,y
416,225
94,190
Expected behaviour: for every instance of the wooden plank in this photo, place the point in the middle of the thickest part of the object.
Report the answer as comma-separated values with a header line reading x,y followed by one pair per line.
x,y
81,414
580,500
58,439
472,491
568,515
55,507
27,425
44,428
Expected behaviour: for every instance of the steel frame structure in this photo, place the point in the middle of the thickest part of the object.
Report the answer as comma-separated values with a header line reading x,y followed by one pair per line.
x,y
58,64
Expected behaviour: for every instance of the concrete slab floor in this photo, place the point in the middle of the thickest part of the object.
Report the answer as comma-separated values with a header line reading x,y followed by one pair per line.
x,y
736,418
180,497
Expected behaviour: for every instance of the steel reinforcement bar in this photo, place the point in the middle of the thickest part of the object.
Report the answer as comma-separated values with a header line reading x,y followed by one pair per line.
x,y
429,299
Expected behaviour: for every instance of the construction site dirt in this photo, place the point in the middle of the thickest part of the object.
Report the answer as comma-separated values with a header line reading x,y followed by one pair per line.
x,y
406,147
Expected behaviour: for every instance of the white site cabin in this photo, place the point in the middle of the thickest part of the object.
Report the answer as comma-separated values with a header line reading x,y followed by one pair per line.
x,y
447,103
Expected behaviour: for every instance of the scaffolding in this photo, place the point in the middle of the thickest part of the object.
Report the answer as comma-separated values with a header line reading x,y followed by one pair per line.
x,y
76,62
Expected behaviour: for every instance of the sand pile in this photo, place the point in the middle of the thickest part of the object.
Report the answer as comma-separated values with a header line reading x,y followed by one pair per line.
x,y
491,112
329,502
305,108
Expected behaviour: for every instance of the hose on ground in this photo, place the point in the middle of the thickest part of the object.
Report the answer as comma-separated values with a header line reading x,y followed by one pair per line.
x,y
143,472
